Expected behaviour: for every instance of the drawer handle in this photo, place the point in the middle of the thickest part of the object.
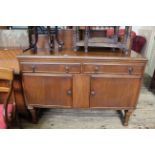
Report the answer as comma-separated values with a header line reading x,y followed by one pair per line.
x,y
69,92
130,70
67,69
96,68
93,93
33,68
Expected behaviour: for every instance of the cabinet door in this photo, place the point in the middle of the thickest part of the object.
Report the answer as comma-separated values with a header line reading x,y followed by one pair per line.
x,y
114,91
47,90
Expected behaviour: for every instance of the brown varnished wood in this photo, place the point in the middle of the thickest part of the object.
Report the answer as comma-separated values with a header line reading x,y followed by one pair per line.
x,y
33,114
81,91
48,89
114,91
100,79
19,95
6,74
97,79
51,67
127,116
4,89
105,53
114,68
66,36
8,60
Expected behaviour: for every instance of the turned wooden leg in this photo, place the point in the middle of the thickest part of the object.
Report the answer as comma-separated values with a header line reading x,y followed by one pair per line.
x,y
127,117
86,39
33,114
75,33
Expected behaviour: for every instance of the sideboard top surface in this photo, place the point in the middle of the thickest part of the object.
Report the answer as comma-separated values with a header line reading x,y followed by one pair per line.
x,y
99,54
8,58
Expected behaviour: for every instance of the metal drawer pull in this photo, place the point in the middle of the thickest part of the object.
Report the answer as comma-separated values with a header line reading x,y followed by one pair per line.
x,y
69,92
130,70
96,69
67,69
33,68
93,93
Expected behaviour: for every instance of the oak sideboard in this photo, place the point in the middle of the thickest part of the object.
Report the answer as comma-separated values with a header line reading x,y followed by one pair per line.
x,y
67,79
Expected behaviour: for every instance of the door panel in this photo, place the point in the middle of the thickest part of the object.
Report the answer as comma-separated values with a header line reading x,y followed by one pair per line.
x,y
81,91
116,91
48,90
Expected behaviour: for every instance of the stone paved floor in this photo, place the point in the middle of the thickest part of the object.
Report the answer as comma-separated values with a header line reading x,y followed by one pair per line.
x,y
142,118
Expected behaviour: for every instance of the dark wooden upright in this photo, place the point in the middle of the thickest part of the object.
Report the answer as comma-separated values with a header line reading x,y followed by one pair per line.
x,y
94,41
152,84
53,40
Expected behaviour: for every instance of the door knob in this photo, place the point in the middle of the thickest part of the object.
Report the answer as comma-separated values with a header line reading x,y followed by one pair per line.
x,y
96,68
69,92
67,69
130,70
93,93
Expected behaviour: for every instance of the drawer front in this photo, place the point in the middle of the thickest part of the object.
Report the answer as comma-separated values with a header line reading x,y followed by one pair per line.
x,y
53,68
127,69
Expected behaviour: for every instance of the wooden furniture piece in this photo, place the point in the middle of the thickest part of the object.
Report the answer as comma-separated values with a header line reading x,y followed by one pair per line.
x,y
152,83
7,107
124,43
100,79
8,60
54,43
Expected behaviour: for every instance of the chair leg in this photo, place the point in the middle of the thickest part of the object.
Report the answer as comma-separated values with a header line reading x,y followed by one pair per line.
x,y
33,46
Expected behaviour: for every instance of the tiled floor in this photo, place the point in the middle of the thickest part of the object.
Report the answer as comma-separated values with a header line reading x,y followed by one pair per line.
x,y
143,117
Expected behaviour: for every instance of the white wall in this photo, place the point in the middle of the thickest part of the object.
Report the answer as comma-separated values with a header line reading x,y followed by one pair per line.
x,y
14,38
149,49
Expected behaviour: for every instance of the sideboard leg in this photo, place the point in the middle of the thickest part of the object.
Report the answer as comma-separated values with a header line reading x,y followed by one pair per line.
x,y
127,117
33,114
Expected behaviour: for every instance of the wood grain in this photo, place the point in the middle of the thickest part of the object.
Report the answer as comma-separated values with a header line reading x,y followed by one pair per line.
x,y
47,89
114,91
81,91
102,79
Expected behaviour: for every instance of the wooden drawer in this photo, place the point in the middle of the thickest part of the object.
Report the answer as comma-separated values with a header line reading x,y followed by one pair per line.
x,y
51,67
129,69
